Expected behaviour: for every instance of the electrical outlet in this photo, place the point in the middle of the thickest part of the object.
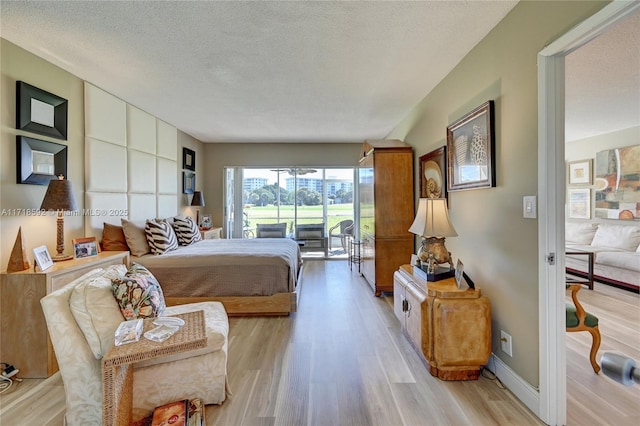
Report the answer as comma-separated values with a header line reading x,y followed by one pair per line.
x,y
505,343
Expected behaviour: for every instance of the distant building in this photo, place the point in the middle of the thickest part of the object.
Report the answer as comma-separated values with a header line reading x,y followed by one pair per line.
x,y
251,184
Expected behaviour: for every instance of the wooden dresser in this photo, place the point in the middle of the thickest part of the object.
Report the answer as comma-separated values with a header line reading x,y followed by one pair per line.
x,y
24,340
450,328
386,210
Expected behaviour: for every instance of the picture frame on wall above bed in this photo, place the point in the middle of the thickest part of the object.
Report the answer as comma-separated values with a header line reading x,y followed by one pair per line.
x,y
188,182
580,172
41,112
188,159
471,150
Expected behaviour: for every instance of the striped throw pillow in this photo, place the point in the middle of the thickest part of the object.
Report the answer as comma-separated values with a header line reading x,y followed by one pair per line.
x,y
160,236
186,230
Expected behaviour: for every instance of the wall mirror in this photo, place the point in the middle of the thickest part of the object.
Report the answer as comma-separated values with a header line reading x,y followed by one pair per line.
x,y
38,161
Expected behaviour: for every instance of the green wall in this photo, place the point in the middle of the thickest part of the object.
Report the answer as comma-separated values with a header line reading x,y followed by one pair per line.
x,y
496,244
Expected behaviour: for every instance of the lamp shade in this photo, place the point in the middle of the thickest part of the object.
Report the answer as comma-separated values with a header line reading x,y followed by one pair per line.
x,y
198,199
432,219
59,196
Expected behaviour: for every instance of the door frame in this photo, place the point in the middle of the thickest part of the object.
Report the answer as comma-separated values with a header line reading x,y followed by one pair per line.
x,y
551,189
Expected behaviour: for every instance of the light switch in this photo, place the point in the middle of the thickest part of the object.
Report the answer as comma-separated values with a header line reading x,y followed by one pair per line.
x,y
529,207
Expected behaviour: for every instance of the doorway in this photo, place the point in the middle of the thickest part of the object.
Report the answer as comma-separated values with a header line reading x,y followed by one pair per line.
x,y
551,190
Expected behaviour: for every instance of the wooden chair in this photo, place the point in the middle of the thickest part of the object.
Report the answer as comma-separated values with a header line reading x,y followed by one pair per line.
x,y
580,320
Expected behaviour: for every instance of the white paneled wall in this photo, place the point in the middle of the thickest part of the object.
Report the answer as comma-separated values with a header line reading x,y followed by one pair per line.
x,y
130,163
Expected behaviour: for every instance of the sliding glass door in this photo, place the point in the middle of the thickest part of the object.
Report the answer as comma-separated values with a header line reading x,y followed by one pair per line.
x,y
308,201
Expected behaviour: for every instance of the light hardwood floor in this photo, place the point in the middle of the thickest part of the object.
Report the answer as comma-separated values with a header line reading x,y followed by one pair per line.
x,y
342,360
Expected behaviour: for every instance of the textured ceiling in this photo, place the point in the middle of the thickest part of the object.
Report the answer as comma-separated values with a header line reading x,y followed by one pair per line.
x,y
301,71
603,83
259,71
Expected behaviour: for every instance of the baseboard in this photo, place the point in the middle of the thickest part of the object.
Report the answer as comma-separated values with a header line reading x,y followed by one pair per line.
x,y
527,394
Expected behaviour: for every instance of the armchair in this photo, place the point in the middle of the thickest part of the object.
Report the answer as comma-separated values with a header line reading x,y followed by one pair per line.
x,y
580,320
200,373
344,228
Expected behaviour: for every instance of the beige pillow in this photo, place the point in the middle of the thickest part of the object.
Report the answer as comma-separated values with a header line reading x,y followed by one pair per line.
x,y
113,238
95,310
617,236
135,236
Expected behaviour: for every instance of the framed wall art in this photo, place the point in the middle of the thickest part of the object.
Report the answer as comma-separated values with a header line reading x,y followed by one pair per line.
x,y
616,183
580,203
188,159
85,247
580,172
433,174
471,150
38,161
40,112
188,182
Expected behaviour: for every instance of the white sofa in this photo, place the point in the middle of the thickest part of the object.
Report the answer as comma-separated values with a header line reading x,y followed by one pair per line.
x,y
81,338
616,251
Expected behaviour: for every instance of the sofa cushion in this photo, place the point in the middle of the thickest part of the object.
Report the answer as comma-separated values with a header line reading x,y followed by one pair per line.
x,y
617,236
135,236
579,232
95,310
186,230
217,329
138,294
620,259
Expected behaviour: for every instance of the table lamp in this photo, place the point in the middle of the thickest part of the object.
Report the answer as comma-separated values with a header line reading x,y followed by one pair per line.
x,y
197,200
433,225
59,197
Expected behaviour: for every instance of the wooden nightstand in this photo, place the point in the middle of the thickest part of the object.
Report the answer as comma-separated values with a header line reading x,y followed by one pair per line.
x,y
450,328
211,233
24,338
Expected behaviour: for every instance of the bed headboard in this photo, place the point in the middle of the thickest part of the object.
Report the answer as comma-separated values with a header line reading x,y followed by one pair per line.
x,y
131,168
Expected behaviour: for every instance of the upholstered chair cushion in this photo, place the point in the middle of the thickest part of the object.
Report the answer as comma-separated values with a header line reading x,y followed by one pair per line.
x,y
138,294
95,310
573,321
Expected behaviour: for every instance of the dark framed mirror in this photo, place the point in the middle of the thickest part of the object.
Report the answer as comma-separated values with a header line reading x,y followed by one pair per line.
x,y
38,161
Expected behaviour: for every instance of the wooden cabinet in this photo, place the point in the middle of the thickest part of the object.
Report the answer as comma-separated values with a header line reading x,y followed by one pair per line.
x,y
211,233
386,210
24,340
450,328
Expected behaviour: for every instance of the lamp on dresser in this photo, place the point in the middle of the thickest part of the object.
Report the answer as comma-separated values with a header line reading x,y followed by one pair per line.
x,y
433,225
59,197
197,201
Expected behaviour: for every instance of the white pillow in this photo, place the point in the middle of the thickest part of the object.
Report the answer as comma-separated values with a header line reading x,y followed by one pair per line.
x,y
617,236
579,232
96,311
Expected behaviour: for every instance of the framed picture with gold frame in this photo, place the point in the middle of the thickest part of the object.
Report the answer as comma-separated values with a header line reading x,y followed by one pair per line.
x,y
581,172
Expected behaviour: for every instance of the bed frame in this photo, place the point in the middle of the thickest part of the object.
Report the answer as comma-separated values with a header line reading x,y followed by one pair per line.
x,y
276,304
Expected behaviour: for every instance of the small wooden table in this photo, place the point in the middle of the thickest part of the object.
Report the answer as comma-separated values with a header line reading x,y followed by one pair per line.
x,y
589,279
117,364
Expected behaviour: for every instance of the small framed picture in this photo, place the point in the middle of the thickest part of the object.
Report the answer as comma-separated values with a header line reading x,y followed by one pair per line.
x,y
188,182
580,172
42,257
85,247
580,203
433,174
188,159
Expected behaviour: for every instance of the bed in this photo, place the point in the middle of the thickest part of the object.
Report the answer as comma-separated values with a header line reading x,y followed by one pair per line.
x,y
256,276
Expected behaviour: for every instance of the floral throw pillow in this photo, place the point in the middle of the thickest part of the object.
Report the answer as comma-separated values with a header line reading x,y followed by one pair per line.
x,y
138,294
